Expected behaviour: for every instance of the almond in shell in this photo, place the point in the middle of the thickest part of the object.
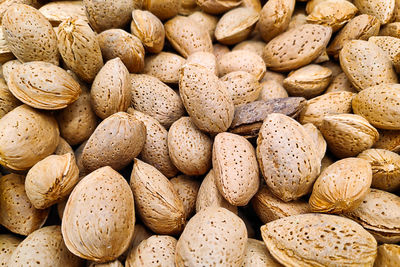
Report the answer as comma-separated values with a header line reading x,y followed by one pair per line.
x,y
187,188
258,255
164,66
163,9
382,9
242,86
8,244
7,100
388,255
244,61
217,7
58,11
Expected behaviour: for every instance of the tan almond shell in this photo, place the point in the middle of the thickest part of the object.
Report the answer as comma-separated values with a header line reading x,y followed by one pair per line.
x,y
78,156
63,147
189,149
186,36
388,255
342,186
7,100
272,89
164,66
29,34
256,4
379,105
163,9
299,17
77,121
255,46
153,97
155,150
104,15
382,9
43,85
379,213
242,60
388,139
79,48
391,29
57,12
317,138
348,135
99,217
207,21
287,157
390,45
206,100
217,7
187,188
209,195
9,67
270,208
236,25
205,59
7,3
149,29
341,83
28,136
187,7
219,51
115,263
111,89
242,86
18,214
119,43
275,18
156,250
310,41
214,236
116,141
317,240
8,244
385,168
366,65
235,168
139,234
5,52
330,103
257,255
157,202
51,180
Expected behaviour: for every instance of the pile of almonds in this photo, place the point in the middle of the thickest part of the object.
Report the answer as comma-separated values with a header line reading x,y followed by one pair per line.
x,y
200,133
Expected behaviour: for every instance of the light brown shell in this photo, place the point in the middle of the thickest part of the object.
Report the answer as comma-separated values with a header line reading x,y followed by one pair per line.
x,y
382,9
385,168
153,97
317,240
18,214
164,66
79,48
272,89
214,236
257,255
99,217
157,202
43,85
104,15
51,180
391,29
389,139
187,188
388,255
206,100
63,147
207,21
115,263
8,244
27,137
204,59
111,89
9,67
342,186
255,46
235,168
341,83
29,34
116,141
118,43
189,149
287,157
5,52
7,100
163,9
58,11
242,86
217,7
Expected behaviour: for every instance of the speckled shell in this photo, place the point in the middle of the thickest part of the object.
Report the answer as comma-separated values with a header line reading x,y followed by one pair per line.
x,y
388,255
257,255
187,188
7,100
382,9
8,244
164,66
58,11
242,86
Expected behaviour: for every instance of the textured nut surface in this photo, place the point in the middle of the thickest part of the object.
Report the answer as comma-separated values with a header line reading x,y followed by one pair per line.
x,y
8,244
18,214
7,100
317,138
116,141
99,217
382,9
157,202
390,45
58,11
342,186
163,9
51,180
9,67
5,52
27,137
187,188
255,46
213,236
164,66
29,34
272,89
389,139
257,255
189,149
207,21
111,90
217,6
242,86
205,59
341,83
287,157
388,255
235,168
307,240
391,29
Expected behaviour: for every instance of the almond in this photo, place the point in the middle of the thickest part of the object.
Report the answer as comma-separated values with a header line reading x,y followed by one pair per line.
x,y
390,45
7,100
341,83
5,52
388,255
272,89
389,140
391,29
254,46
163,9
187,189
205,59
242,60
257,254
217,7
382,9
187,7
9,67
57,12
63,148
207,21
242,86
317,138
164,66
8,244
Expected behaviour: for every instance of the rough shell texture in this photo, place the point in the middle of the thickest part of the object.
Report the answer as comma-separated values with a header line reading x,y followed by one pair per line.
x,y
115,142
51,180
317,138
57,12
7,100
388,255
391,29
8,244
27,136
43,85
63,147
115,263
111,90
206,100
189,149
389,139
342,186
287,157
235,168
29,34
242,86
207,21
257,255
205,59
382,9
9,67
79,48
341,83
319,240
157,202
99,217
310,40
18,214
255,46
163,9
217,6
272,89
153,97
187,188
214,236
164,66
